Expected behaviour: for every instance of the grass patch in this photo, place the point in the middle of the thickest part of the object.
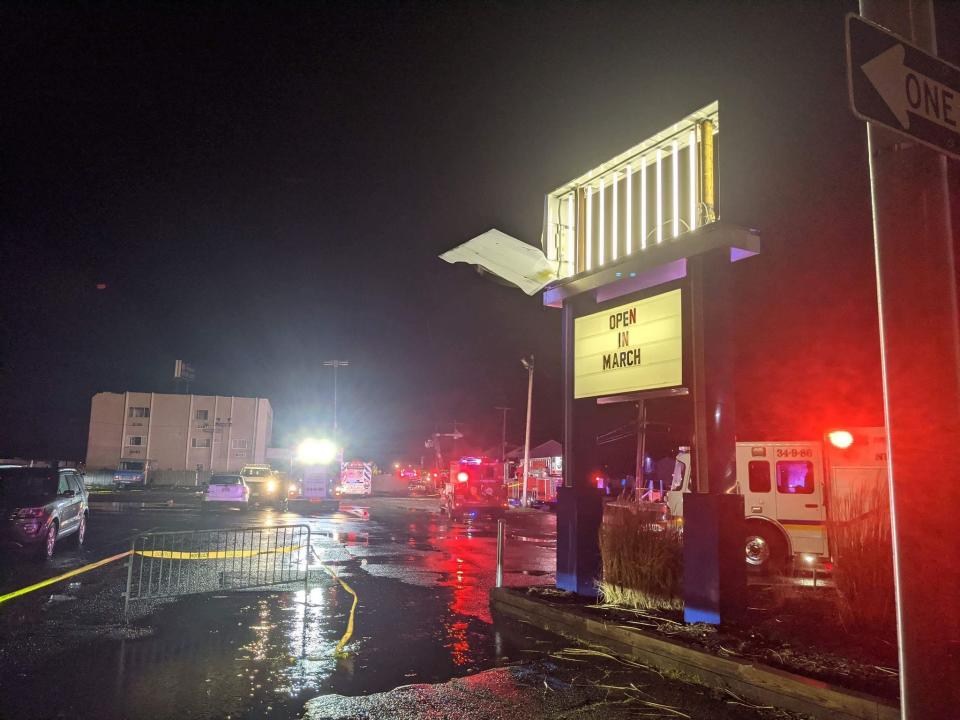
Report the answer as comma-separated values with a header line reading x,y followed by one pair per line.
x,y
858,525
642,562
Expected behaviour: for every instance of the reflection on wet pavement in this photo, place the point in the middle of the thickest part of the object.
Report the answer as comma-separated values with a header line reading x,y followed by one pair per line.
x,y
423,617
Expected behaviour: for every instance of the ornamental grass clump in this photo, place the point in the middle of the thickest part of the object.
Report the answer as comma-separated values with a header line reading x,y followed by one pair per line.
x,y
642,561
858,527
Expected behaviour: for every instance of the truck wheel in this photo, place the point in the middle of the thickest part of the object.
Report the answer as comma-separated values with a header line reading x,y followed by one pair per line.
x,y
764,550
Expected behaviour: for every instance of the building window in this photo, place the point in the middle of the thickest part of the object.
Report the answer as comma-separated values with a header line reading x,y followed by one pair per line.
x,y
138,412
203,415
201,442
240,445
135,440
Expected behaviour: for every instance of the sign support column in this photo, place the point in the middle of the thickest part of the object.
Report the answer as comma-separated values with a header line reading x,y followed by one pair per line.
x,y
916,289
714,577
579,505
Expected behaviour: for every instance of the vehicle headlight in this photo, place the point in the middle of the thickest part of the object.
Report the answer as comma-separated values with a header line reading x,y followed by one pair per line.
x,y
271,486
293,487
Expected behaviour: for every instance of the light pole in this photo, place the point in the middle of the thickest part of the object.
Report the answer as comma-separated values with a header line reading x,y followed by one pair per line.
x,y
528,364
503,433
335,364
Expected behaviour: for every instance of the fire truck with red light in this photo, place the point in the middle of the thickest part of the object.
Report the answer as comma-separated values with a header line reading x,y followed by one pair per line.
x,y
475,487
787,490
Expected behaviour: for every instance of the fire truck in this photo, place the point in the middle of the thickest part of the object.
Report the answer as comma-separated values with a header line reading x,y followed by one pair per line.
x,y
475,487
787,488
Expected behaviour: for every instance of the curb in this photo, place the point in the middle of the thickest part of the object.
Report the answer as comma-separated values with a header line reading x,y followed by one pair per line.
x,y
753,681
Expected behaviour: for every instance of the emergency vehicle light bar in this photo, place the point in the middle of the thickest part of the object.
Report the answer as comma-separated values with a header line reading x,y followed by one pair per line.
x,y
840,439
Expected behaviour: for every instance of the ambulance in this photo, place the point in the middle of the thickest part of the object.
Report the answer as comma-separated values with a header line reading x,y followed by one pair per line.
x,y
356,478
786,488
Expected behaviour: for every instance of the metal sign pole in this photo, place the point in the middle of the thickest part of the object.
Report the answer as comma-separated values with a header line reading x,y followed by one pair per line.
x,y
920,352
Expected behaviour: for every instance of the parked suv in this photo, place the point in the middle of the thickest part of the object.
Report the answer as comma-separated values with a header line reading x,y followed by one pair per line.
x,y
40,506
265,486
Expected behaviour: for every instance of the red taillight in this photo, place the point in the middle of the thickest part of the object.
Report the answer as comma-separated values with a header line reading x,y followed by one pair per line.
x,y
840,439
30,512
828,566
462,476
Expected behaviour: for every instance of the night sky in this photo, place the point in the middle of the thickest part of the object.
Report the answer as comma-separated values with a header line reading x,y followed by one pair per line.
x,y
265,186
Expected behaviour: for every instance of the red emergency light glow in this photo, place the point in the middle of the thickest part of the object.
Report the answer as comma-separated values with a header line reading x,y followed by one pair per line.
x,y
462,476
840,439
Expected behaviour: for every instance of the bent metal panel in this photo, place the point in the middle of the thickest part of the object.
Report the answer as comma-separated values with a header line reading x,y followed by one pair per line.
x,y
632,347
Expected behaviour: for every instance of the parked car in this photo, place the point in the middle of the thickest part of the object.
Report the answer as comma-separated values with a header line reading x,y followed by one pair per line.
x,y
39,506
226,490
130,475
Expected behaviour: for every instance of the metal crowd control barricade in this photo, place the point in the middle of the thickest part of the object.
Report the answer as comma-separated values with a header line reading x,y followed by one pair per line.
x,y
173,564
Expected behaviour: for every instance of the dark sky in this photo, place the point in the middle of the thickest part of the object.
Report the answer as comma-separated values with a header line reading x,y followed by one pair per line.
x,y
265,186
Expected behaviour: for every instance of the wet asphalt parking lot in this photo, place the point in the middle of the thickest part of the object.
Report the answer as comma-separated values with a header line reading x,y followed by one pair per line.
x,y
423,643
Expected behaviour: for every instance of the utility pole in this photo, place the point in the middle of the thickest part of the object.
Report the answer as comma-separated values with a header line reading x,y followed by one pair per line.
x,y
503,432
641,448
920,357
335,364
528,364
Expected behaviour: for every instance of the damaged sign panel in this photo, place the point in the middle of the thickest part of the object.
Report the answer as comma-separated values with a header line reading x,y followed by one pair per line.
x,y
632,347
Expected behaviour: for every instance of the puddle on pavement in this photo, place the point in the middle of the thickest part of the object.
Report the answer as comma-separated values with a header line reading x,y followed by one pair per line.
x,y
260,655
423,618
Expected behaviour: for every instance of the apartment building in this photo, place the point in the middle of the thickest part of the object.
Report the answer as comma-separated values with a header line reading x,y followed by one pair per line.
x,y
155,431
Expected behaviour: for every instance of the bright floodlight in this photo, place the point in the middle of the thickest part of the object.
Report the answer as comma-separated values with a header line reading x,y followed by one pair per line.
x,y
316,452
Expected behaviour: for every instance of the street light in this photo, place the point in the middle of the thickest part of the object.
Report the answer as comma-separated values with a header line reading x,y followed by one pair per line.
x,y
528,364
316,452
335,364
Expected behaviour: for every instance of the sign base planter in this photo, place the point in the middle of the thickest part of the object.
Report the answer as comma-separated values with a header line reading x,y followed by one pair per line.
x,y
755,682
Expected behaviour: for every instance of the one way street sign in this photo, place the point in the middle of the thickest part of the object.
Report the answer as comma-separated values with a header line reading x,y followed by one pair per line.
x,y
901,87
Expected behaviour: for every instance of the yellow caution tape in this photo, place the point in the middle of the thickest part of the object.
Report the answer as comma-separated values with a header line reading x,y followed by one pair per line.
x,y
353,609
164,554
214,555
58,578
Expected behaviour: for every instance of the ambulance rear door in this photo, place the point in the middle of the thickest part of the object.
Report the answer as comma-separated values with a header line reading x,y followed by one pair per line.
x,y
856,471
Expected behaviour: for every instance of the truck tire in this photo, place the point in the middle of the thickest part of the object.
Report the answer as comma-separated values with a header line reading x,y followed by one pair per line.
x,y
764,549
